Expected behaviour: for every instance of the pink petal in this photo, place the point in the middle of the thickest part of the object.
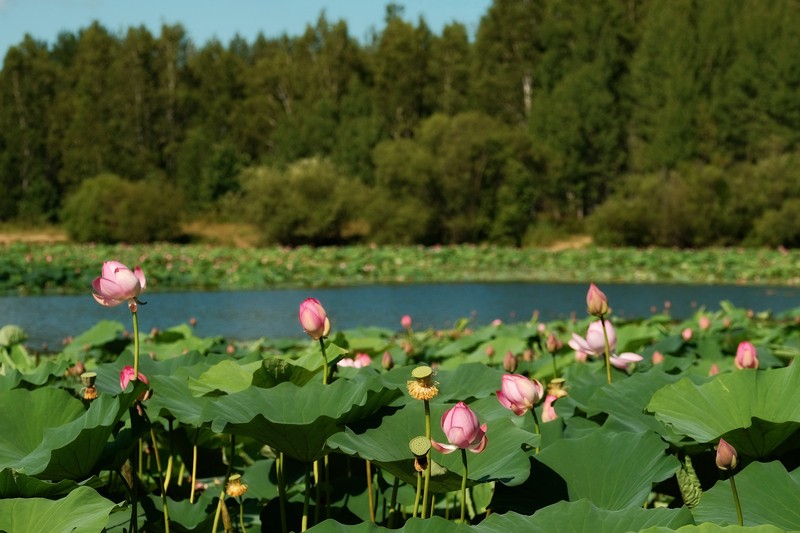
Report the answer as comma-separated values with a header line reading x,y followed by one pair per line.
x,y
140,276
481,445
443,448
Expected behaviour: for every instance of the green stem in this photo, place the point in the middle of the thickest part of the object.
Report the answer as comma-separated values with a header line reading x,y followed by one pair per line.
x,y
428,466
324,362
608,349
135,345
416,498
281,490
369,491
304,523
736,502
555,368
464,485
393,503
241,515
535,424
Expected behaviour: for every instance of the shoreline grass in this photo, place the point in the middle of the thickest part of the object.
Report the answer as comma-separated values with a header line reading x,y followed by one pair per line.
x,y
61,268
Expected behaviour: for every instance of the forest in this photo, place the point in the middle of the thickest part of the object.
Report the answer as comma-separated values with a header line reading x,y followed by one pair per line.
x,y
638,122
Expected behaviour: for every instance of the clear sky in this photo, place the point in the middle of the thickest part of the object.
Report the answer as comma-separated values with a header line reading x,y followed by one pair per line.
x,y
204,19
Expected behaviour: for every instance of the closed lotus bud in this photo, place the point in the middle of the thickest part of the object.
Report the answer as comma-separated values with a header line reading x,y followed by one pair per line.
x,y
490,351
387,362
726,456
313,318
746,356
509,362
657,358
714,370
704,322
405,322
687,334
596,301
552,344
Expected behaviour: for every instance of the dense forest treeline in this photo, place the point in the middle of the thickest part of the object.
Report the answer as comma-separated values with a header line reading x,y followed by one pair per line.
x,y
639,121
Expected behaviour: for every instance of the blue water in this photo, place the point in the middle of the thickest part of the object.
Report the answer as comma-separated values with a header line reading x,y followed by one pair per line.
x,y
273,313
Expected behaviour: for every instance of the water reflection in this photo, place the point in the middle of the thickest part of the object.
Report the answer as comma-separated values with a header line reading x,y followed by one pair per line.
x,y
273,313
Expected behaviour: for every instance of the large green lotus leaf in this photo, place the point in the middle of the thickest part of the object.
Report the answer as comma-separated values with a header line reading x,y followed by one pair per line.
x,y
46,432
755,410
614,470
101,333
466,344
16,485
624,401
768,495
82,511
176,342
226,376
505,458
298,420
714,528
172,397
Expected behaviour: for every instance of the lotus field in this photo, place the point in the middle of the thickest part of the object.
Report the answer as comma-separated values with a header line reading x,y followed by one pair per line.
x,y
591,424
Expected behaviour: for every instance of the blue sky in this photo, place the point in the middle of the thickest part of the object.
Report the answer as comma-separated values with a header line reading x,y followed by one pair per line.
x,y
204,19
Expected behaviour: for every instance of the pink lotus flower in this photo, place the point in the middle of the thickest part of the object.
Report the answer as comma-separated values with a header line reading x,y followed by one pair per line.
x,y
714,370
387,362
704,322
118,284
313,318
594,344
657,358
126,376
405,322
510,362
519,393
548,411
746,356
625,360
596,301
687,334
460,426
727,457
359,361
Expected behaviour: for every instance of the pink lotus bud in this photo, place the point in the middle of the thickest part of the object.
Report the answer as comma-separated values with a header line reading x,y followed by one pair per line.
x,y
657,358
497,322
596,301
126,376
361,360
704,322
519,393
726,456
714,370
726,322
687,334
510,362
548,411
552,344
542,327
490,351
746,356
313,318
527,355
405,322
462,429
387,362
118,284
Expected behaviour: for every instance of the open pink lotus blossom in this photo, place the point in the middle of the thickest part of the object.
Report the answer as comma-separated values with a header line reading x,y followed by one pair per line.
x,y
461,427
625,360
594,344
314,319
746,356
118,284
548,411
359,361
519,393
596,301
126,376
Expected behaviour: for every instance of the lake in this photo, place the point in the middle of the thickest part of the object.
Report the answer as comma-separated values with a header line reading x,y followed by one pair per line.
x,y
246,315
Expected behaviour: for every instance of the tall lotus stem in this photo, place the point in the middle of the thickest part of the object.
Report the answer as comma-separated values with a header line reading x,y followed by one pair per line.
x,y
194,466
421,449
135,318
281,490
369,491
736,501
324,362
428,465
608,349
535,426
464,485
306,497
393,502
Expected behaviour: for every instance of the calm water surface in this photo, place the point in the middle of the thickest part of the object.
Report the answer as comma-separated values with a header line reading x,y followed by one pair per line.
x,y
273,313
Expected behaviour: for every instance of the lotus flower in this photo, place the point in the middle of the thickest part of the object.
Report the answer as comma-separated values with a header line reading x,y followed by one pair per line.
x,y
624,360
118,284
594,344
126,376
746,356
405,322
596,301
548,411
359,361
510,362
460,426
519,393
313,318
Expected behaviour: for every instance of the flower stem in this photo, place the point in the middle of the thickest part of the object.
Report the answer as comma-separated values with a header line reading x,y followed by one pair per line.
x,y
281,490
304,523
324,362
536,425
393,503
369,491
608,349
555,368
464,485
194,466
427,466
736,502
241,515
135,345
416,498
